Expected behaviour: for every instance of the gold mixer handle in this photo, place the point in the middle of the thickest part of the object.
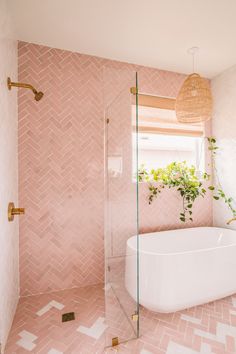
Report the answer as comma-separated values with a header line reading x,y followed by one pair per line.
x,y
17,211
12,211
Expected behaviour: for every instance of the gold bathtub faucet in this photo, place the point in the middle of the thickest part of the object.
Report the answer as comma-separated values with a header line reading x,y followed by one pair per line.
x,y
230,220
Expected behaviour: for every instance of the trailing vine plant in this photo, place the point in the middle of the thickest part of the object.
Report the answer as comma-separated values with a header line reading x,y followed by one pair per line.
x,y
185,179
176,175
218,192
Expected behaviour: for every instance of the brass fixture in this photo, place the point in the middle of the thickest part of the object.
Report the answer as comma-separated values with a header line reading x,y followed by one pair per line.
x,y
134,316
115,341
12,211
230,220
133,90
37,94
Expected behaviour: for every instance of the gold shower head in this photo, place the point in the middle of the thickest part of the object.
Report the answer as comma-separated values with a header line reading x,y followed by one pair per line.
x,y
37,94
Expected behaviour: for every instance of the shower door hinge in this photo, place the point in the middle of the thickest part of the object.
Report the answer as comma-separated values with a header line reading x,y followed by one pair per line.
x,y
133,90
115,341
134,317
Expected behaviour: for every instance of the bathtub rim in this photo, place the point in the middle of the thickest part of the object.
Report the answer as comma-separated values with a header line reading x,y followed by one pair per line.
x,y
179,253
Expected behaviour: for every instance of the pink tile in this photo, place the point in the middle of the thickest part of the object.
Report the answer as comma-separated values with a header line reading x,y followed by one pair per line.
x,y
88,303
61,167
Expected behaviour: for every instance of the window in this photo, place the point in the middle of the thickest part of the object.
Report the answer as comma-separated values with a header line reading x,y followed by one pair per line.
x,y
162,139
158,150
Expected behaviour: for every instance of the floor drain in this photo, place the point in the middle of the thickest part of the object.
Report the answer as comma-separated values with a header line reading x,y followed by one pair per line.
x,y
70,316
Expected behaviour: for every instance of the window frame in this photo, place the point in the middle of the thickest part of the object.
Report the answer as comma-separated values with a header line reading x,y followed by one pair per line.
x,y
167,103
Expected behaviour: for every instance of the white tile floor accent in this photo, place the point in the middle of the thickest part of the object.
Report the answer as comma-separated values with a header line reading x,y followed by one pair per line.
x,y
48,307
54,351
27,340
174,348
222,331
190,319
96,330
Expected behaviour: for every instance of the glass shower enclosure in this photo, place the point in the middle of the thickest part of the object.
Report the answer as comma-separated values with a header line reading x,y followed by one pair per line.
x,y
121,205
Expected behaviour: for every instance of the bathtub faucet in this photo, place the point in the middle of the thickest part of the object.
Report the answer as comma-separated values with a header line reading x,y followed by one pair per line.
x,y
230,220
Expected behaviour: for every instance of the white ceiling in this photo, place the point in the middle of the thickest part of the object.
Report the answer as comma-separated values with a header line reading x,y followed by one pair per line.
x,y
155,33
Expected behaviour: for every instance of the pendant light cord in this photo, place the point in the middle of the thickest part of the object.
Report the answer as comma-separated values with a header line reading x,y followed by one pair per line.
x,y
193,51
193,61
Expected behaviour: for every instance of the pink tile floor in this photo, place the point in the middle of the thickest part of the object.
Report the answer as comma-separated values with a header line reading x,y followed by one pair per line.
x,y
38,329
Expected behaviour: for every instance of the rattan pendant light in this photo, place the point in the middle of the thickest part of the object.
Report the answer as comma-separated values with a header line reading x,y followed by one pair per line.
x,y
194,100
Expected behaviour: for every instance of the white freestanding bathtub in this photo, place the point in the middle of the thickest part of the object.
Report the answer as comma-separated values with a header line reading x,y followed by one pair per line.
x,y
182,268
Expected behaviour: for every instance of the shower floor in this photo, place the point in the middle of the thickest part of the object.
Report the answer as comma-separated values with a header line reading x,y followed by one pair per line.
x,y
38,327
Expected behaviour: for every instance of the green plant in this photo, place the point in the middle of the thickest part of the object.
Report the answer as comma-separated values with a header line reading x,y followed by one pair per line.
x,y
176,175
218,190
142,174
186,181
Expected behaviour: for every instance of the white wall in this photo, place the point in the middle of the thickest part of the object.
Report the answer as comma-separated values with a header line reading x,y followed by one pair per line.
x,y
9,233
224,129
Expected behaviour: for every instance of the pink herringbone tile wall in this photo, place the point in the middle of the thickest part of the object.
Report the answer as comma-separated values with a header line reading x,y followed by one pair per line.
x,y
61,167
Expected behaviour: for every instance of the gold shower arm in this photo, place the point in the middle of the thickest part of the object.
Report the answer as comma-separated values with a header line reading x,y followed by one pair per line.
x,y
19,84
37,94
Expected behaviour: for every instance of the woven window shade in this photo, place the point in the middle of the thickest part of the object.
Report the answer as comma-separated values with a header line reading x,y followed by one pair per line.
x,y
154,120
194,101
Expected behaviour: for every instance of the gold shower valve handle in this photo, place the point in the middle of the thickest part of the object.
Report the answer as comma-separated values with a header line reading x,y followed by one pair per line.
x,y
12,211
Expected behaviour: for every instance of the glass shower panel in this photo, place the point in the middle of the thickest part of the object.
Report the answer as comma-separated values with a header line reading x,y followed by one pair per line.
x,y
121,209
